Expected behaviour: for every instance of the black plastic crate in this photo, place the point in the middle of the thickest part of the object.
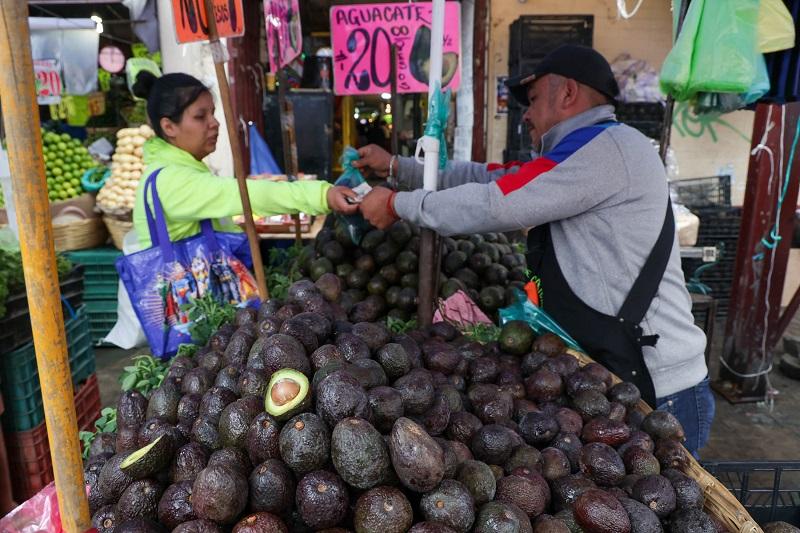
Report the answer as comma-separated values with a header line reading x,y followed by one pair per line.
x,y
769,490
647,117
708,192
534,36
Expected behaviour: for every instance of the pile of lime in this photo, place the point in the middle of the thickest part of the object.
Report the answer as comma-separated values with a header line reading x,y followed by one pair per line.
x,y
65,159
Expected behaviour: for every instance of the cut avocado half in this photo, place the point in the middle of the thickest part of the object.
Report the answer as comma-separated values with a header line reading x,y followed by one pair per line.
x,y
151,459
287,394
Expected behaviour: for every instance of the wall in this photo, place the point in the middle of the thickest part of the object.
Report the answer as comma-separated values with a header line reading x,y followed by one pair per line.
x,y
702,146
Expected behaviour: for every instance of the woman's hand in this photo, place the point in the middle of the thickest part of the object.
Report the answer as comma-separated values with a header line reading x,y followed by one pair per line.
x,y
337,200
375,159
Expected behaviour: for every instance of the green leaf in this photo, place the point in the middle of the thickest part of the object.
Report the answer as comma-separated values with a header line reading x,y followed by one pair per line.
x,y
128,382
129,369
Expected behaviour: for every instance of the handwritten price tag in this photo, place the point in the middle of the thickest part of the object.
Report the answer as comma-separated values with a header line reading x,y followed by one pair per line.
x,y
284,32
191,23
47,73
362,36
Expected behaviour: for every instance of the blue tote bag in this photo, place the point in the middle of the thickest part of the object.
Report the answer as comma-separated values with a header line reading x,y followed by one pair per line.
x,y
164,278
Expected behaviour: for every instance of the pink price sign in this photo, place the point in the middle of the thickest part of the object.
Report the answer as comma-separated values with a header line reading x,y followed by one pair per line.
x,y
362,36
284,33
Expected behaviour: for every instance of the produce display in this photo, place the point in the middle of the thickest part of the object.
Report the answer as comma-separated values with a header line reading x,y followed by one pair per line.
x,y
380,278
294,418
65,160
118,194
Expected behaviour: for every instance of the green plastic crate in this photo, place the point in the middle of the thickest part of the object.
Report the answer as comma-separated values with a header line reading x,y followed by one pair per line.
x,y
102,317
100,275
19,374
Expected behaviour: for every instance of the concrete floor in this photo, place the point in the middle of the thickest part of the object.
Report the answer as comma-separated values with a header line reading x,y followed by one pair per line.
x,y
740,432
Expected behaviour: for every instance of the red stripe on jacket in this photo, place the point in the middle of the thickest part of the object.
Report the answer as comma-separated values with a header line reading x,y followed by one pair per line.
x,y
526,174
503,166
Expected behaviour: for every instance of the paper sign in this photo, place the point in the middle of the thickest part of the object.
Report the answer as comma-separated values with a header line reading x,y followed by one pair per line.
x,y
48,81
362,36
191,24
284,32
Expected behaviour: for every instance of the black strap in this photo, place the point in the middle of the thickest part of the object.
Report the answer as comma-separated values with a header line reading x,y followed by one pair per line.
x,y
645,287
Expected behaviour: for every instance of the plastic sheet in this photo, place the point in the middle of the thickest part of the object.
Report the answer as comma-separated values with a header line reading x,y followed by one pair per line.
x,y
37,515
536,317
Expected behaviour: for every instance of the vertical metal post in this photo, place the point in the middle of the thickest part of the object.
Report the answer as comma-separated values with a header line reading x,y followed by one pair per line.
x,y
218,53
21,118
395,100
480,37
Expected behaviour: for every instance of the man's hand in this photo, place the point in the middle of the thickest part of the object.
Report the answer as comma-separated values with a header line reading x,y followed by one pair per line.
x,y
337,200
376,207
373,158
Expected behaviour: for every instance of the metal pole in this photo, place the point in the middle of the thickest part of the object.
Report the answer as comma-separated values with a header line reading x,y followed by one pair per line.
x,y
21,118
218,53
395,100
666,127
428,267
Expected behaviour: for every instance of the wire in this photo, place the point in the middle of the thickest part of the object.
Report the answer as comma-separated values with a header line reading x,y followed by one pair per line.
x,y
622,7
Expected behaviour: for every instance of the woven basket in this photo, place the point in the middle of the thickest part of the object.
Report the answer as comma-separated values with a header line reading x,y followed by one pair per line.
x,y
118,229
79,234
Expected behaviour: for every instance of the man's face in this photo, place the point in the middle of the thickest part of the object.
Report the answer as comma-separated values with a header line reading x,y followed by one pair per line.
x,y
541,114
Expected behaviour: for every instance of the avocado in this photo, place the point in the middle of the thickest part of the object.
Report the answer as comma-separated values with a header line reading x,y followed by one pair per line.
x,y
211,361
555,464
450,504
657,493
287,311
400,232
544,386
430,527
322,499
352,347
366,264
266,327
262,439
549,344
417,390
231,458
409,281
692,520
368,310
530,495
640,462
276,352
524,456
774,527
450,287
499,517
391,274
377,285
252,382
188,461
260,523
372,239
417,459
468,278
340,396
227,377
443,358
407,262
386,252
342,271
569,421
579,381
163,402
639,439
220,494
462,426
112,481
598,511
688,493
605,430
479,262
407,298
496,274
454,261
269,308
671,454
300,331
394,360
305,443
333,251
663,425
139,500
198,526
591,403
478,479
324,355
642,519
566,490
491,298
175,506
221,338
204,431
625,393
149,460
359,453
451,460
383,509
602,464
272,487
492,444
549,524
287,394
196,381
373,335
104,443
516,336
319,267
236,418
131,409
138,525
483,370
538,429
387,406
105,519
214,402
368,372
127,439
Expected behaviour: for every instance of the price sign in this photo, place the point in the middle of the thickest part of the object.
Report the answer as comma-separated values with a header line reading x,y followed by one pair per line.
x,y
191,24
47,73
284,31
362,36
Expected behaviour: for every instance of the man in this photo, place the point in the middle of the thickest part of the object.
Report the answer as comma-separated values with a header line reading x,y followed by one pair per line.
x,y
596,198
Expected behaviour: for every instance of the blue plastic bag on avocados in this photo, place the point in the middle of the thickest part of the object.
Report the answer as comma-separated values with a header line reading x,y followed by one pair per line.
x,y
355,225
536,317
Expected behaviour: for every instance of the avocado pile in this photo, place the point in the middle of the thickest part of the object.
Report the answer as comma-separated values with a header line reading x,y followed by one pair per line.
x,y
379,277
296,419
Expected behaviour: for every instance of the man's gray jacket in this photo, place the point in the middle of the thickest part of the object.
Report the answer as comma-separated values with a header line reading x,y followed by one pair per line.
x,y
605,205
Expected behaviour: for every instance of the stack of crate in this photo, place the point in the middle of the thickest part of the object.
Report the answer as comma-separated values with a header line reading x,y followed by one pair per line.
x,y
101,282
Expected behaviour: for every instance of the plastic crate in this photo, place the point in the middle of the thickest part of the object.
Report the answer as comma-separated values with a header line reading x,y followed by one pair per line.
x,y
17,321
20,375
712,191
102,317
769,490
100,272
29,451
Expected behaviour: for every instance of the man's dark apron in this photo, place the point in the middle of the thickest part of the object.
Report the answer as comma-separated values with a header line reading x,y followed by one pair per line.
x,y
614,341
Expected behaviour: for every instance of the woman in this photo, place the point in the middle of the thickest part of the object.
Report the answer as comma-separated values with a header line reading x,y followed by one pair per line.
x,y
181,112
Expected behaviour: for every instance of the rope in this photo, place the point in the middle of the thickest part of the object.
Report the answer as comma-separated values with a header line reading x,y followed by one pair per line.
x,y
622,7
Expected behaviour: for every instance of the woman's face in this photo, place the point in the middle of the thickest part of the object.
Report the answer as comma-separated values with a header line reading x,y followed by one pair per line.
x,y
197,130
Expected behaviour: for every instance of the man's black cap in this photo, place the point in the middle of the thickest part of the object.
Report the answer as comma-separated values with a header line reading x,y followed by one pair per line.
x,y
581,63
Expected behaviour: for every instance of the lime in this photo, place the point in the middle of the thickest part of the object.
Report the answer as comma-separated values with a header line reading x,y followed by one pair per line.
x,y
75,182
65,137
57,171
63,195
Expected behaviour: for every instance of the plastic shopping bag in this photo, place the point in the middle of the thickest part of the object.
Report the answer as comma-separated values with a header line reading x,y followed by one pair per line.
x,y
775,27
38,514
677,68
355,224
536,317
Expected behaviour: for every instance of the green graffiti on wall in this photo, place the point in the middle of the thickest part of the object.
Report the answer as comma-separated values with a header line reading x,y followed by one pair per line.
x,y
686,123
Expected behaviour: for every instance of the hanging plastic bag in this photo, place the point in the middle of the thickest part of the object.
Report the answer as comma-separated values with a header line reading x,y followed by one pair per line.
x,y
536,317
134,66
775,27
677,68
355,224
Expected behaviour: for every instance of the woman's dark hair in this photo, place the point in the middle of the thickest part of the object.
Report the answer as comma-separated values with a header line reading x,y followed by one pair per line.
x,y
167,96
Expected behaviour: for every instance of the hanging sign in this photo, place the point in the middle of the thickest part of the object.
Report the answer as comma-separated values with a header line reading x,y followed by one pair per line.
x,y
191,24
47,73
362,36
284,32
